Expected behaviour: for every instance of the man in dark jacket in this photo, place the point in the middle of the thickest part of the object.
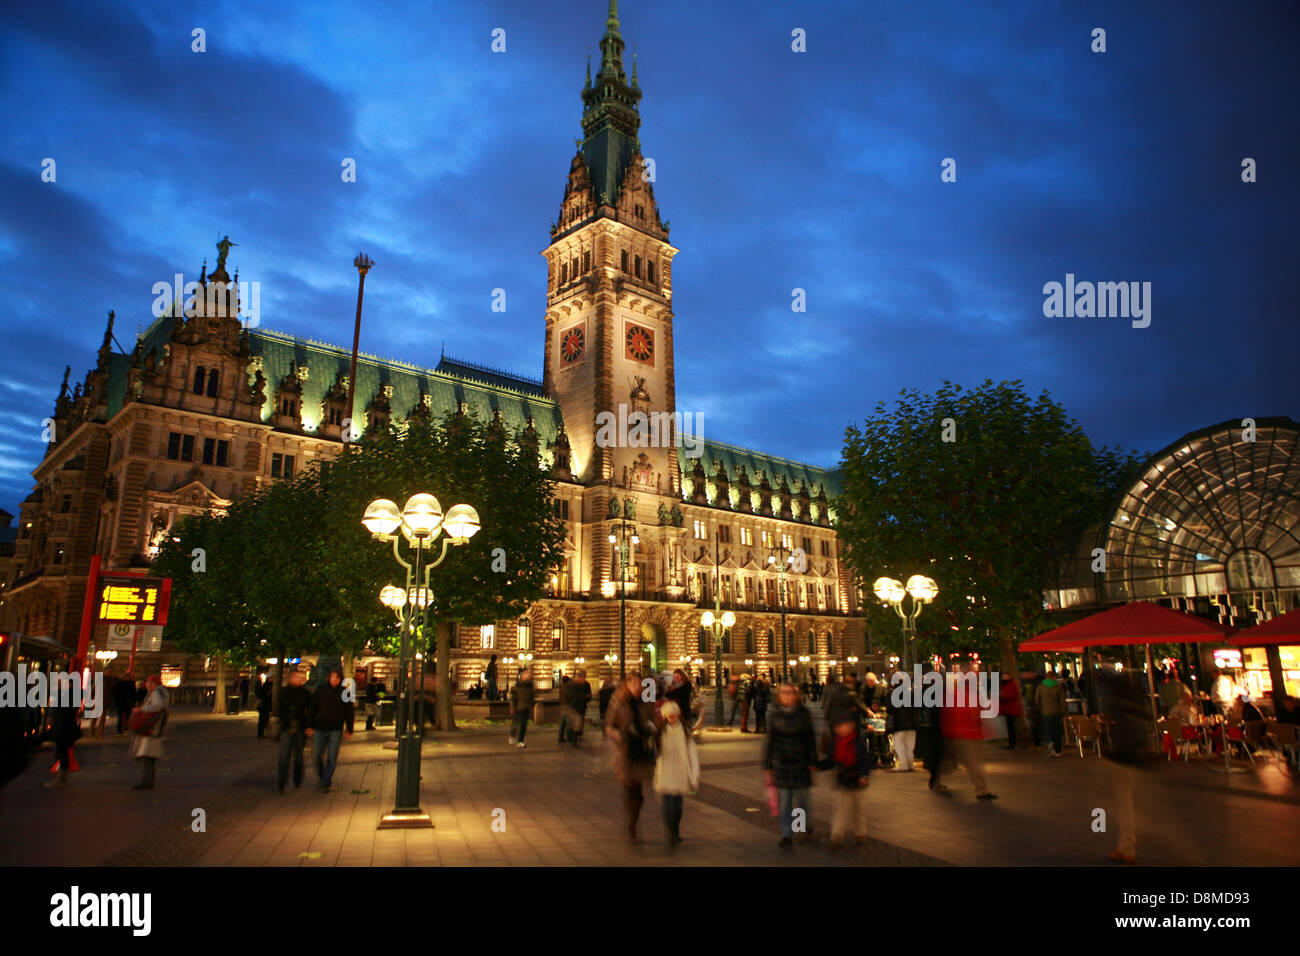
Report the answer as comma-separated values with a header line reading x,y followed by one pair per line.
x,y
901,722
576,698
291,734
490,677
263,692
329,720
521,705
762,697
124,701
789,758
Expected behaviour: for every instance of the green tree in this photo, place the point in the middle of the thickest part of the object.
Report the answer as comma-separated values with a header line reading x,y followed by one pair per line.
x,y
976,489
291,568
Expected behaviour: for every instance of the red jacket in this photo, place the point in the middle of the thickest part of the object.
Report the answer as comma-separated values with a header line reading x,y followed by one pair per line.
x,y
1009,704
962,723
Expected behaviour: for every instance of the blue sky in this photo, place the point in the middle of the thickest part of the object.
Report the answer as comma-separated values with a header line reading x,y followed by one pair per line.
x,y
817,170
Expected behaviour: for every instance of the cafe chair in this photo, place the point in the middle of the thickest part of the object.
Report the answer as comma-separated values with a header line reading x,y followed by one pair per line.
x,y
1086,731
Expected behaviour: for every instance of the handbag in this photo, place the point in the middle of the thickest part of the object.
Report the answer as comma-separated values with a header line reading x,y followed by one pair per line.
x,y
773,804
143,723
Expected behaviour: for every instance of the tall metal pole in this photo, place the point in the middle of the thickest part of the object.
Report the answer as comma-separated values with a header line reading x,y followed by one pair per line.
x,y
363,264
622,603
717,631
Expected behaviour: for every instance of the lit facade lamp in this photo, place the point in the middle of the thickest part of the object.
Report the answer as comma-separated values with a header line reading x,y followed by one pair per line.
x,y
419,523
893,593
780,561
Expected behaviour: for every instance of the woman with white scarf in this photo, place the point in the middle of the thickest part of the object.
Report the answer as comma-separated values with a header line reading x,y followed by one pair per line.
x,y
677,771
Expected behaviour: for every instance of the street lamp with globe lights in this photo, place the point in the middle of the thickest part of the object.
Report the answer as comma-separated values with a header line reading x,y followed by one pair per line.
x,y
624,532
420,523
717,624
892,593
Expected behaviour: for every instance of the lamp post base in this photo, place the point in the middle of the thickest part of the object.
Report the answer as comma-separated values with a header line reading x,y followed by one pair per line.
x,y
404,819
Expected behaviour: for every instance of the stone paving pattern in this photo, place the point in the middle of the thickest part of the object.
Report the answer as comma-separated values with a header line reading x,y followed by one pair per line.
x,y
563,807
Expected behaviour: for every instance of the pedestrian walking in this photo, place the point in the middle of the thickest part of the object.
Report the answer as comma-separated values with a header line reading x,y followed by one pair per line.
x,y
329,720
291,728
630,727
124,701
901,721
576,698
745,695
65,733
789,758
375,691
264,693
1122,698
962,738
148,723
1029,681
762,697
490,675
521,704
1009,706
851,762
1050,700
677,771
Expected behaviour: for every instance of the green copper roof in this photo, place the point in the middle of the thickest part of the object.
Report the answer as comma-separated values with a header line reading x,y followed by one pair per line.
x,y
325,362
731,456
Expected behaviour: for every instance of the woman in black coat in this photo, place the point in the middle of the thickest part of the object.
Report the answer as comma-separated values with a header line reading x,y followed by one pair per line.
x,y
789,758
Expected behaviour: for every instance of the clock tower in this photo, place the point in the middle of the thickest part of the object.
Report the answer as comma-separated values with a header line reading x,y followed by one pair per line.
x,y
609,319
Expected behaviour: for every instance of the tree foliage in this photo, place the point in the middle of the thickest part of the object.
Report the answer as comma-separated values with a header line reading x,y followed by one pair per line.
x,y
976,489
290,567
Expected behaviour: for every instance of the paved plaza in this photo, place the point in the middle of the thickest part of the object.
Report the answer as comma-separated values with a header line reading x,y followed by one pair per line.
x,y
562,807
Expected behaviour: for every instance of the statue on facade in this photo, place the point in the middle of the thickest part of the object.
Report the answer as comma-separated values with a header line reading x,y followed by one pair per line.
x,y
629,508
677,516
664,517
613,507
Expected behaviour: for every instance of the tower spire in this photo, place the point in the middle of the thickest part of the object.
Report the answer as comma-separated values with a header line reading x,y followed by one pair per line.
x,y
610,120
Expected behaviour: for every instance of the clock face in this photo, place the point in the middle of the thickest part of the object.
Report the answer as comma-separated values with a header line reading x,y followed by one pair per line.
x,y
572,344
640,344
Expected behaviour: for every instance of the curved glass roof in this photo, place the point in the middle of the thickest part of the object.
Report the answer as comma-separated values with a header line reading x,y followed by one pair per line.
x,y
1213,513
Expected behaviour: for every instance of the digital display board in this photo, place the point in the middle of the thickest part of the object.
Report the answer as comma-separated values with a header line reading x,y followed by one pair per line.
x,y
124,600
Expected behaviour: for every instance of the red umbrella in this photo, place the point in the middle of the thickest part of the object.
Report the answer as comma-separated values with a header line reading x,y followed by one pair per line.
x,y
1283,629
1138,622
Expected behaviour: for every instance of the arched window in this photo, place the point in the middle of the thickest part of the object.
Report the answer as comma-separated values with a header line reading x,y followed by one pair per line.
x,y
830,644
524,636
637,266
771,642
198,380
212,383
750,646
558,640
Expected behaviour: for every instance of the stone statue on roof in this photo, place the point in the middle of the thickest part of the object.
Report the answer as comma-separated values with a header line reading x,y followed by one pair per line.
x,y
223,250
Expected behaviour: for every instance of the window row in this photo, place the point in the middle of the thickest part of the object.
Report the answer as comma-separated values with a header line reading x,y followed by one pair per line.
x,y
214,451
805,643
632,265
767,538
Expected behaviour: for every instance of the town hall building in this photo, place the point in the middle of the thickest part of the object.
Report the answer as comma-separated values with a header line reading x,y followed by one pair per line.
x,y
203,410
